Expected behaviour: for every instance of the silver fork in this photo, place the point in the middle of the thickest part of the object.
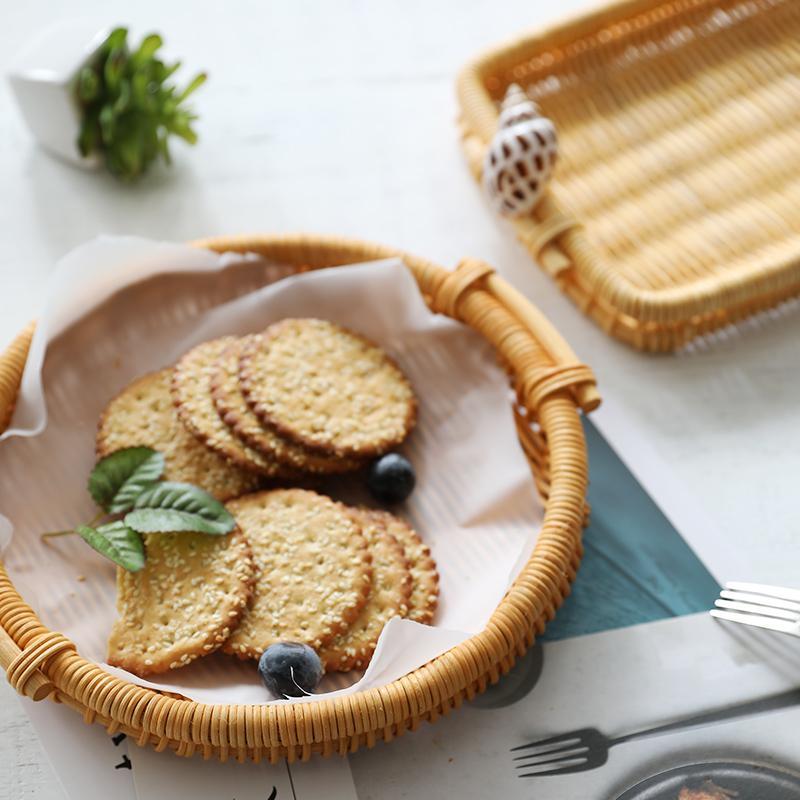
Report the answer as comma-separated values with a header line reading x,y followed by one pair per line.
x,y
773,607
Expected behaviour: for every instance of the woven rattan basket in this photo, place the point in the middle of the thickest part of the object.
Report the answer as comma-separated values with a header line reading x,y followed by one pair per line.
x,y
552,386
675,206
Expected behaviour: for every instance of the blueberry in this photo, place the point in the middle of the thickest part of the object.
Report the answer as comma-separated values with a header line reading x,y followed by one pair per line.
x,y
391,478
290,669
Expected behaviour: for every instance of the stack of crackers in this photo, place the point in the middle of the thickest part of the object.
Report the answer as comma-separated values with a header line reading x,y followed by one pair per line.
x,y
303,397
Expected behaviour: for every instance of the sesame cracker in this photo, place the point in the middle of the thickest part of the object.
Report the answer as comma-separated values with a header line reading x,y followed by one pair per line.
x,y
143,414
313,571
191,392
424,577
391,588
237,414
327,389
183,604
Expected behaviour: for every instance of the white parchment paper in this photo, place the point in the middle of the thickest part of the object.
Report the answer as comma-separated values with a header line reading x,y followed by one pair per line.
x,y
119,307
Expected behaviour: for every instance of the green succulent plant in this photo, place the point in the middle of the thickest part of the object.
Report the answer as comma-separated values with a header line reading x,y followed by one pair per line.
x,y
130,108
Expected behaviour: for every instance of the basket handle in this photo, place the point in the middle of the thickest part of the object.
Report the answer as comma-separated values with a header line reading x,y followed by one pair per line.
x,y
21,670
566,363
566,372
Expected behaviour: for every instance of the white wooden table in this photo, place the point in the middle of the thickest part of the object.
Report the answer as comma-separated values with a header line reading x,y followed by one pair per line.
x,y
340,118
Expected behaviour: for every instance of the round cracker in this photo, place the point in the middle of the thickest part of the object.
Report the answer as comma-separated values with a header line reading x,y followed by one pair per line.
x,y
327,388
391,589
183,604
242,420
424,576
191,392
143,414
313,570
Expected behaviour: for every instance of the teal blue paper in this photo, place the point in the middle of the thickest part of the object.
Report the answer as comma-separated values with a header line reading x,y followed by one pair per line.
x,y
636,566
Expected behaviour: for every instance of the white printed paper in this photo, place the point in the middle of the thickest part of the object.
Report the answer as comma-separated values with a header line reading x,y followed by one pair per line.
x,y
89,763
165,776
328,778
618,682
158,776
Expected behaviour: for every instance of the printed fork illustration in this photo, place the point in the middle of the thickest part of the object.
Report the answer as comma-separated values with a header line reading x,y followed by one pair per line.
x,y
587,748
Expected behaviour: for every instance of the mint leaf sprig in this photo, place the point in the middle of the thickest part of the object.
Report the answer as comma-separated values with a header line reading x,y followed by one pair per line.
x,y
129,109
126,486
118,479
117,542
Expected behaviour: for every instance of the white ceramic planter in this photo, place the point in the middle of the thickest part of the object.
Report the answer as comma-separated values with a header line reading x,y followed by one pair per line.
x,y
43,78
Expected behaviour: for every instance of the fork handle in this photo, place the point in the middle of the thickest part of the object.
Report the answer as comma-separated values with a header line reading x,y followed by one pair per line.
x,y
760,706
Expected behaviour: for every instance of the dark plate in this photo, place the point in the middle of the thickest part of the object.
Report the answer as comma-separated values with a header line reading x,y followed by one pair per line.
x,y
744,781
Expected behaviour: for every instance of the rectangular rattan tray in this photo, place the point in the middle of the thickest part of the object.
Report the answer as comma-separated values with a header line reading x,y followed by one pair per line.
x,y
675,205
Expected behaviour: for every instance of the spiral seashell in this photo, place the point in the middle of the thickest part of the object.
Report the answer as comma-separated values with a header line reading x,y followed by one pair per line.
x,y
521,156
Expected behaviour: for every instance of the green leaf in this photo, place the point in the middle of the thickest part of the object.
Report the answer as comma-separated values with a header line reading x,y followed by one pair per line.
x,y
117,542
181,126
139,88
147,49
170,507
88,85
116,39
128,149
117,480
115,67
87,139
106,119
123,99
196,83
166,71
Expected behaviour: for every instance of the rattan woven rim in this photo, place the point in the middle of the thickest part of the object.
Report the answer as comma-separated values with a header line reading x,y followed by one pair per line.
x,y
650,320
552,387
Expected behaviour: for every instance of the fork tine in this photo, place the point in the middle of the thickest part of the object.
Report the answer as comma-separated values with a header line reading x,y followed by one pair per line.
x,y
760,599
761,588
758,621
564,768
551,756
752,608
547,749
561,739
